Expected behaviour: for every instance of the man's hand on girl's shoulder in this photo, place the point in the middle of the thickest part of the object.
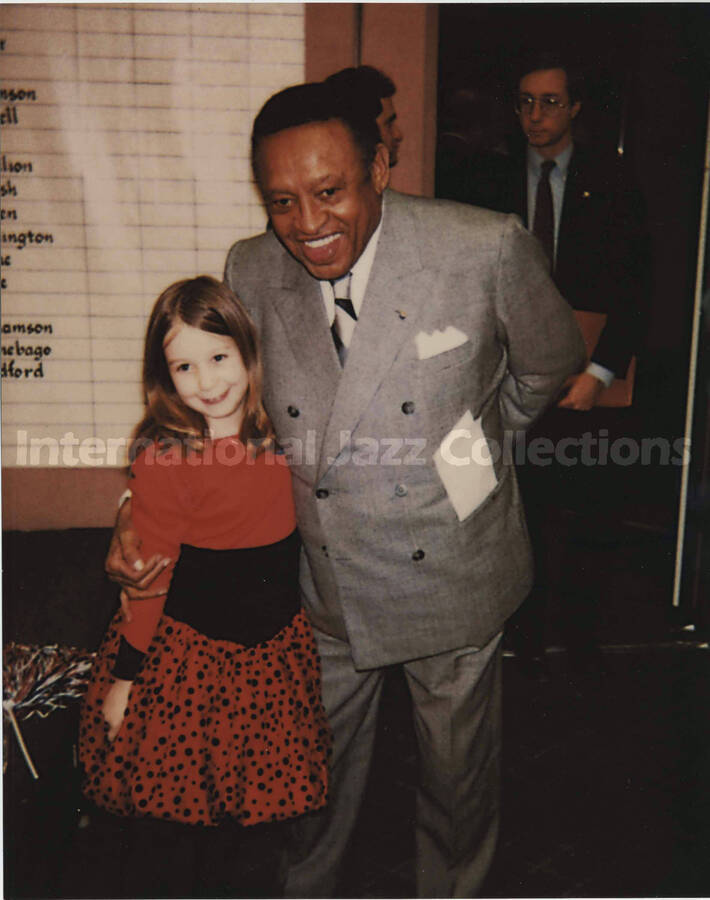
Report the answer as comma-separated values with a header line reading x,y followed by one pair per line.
x,y
124,564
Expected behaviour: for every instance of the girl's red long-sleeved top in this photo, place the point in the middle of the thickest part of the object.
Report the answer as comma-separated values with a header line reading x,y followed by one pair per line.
x,y
222,498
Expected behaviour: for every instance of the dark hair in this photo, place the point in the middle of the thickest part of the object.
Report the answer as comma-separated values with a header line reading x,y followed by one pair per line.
x,y
364,84
303,104
535,60
209,305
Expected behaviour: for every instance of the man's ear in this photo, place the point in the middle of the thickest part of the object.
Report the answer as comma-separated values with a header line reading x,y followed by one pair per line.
x,y
576,106
380,168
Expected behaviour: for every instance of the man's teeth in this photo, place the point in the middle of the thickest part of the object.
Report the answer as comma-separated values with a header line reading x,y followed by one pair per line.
x,y
324,241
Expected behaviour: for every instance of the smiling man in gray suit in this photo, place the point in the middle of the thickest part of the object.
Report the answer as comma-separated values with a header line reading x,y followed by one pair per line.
x,y
393,404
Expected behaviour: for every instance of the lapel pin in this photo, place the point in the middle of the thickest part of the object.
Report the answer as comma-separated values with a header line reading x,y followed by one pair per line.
x,y
586,194
401,313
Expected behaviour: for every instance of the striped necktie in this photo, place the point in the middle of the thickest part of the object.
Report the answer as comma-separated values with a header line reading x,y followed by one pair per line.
x,y
345,316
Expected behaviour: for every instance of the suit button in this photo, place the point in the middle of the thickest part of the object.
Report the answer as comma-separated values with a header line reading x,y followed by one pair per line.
x,y
408,407
325,550
321,493
293,411
417,555
401,490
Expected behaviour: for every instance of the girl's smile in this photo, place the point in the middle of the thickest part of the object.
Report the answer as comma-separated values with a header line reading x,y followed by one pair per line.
x,y
216,399
209,376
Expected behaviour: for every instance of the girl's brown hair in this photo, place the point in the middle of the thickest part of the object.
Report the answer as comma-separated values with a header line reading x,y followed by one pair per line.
x,y
209,305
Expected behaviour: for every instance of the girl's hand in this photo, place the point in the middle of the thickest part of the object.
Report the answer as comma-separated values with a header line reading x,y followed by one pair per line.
x,y
114,706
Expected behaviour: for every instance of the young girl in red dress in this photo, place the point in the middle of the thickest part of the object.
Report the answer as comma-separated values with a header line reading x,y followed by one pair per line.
x,y
204,704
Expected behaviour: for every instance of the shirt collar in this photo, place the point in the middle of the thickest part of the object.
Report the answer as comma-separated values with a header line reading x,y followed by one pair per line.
x,y
360,273
561,160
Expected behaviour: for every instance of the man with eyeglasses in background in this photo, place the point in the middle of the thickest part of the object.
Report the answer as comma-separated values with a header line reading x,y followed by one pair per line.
x,y
590,219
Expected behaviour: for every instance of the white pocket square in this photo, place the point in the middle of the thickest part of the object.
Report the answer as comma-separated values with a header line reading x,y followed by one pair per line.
x,y
465,465
438,341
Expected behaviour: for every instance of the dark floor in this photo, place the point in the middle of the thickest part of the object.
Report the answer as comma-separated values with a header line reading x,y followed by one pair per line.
x,y
606,774
606,785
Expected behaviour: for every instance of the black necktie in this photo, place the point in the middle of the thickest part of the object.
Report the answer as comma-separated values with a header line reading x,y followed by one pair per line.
x,y
345,317
544,224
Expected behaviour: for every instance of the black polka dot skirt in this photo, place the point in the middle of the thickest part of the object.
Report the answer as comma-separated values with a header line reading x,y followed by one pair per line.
x,y
213,729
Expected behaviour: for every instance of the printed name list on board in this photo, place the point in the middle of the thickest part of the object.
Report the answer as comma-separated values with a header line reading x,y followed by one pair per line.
x,y
124,166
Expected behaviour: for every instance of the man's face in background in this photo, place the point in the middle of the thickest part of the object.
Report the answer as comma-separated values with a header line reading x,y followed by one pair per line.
x,y
547,127
390,132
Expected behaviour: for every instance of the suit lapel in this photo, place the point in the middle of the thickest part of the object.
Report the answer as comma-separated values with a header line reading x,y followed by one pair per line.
x,y
298,302
397,288
571,202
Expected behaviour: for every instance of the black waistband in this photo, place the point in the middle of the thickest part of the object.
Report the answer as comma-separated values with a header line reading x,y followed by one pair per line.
x,y
246,595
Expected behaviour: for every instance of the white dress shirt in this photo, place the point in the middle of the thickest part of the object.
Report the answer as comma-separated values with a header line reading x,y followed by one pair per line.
x,y
360,276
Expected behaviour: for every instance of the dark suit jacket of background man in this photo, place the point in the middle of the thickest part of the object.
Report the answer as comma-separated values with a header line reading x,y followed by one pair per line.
x,y
601,260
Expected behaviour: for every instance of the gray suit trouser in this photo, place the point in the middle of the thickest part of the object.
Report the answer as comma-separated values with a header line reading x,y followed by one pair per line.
x,y
457,715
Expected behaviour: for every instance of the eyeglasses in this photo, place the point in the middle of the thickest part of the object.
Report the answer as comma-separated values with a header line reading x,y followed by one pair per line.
x,y
549,106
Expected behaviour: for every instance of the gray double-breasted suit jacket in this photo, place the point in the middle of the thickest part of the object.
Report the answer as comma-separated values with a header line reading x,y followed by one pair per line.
x,y
461,337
